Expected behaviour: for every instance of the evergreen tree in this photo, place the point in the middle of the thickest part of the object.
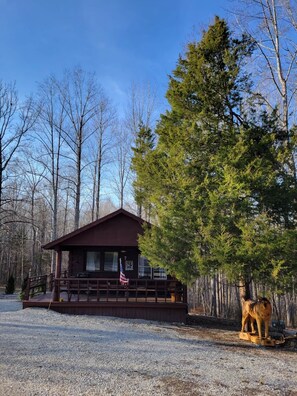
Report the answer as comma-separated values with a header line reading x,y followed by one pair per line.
x,y
249,230
215,179
10,286
144,144
24,287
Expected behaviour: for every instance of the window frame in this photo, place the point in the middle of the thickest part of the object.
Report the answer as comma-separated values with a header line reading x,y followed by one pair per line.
x,y
98,254
114,263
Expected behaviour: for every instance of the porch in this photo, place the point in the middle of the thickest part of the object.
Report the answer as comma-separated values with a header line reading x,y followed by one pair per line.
x,y
162,300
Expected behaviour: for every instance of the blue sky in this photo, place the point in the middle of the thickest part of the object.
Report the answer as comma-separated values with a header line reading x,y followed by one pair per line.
x,y
123,41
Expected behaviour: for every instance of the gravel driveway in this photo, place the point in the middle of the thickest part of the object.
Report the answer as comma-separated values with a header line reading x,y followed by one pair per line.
x,y
47,353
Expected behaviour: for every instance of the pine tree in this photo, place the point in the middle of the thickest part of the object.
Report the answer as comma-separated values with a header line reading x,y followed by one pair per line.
x,y
10,286
144,144
216,181
205,95
247,231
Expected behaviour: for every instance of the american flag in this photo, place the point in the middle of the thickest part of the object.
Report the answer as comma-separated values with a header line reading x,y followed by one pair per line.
x,y
123,279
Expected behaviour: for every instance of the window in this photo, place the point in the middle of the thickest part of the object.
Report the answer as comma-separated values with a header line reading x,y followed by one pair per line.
x,y
144,269
93,261
159,273
111,261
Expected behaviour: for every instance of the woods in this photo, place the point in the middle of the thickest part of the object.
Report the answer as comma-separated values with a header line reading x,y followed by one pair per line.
x,y
216,175
58,154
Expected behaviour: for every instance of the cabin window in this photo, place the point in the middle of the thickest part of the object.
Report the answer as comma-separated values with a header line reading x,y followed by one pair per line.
x,y
93,261
159,273
111,261
144,269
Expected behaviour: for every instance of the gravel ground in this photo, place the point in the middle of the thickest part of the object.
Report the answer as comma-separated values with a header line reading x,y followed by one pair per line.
x,y
47,353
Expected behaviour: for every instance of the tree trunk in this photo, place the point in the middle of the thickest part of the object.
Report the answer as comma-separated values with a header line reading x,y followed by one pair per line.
x,y
99,169
214,297
78,181
244,289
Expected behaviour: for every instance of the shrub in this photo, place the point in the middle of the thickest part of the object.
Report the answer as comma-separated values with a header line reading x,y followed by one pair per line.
x,y
10,286
24,286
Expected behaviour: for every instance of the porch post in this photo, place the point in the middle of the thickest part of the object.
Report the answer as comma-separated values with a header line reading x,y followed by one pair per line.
x,y
57,274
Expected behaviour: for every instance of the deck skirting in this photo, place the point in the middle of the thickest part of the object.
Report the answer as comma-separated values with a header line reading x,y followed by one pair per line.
x,y
163,312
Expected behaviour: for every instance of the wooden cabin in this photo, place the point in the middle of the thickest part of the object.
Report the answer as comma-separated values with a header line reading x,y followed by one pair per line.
x,y
90,284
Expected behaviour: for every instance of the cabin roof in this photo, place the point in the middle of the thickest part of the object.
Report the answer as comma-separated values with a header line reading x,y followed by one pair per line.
x,y
119,228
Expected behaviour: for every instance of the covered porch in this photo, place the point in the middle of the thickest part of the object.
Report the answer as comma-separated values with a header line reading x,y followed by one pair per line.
x,y
162,300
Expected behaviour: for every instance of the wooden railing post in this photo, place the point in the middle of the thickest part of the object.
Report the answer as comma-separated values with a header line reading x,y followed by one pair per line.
x,y
57,275
51,282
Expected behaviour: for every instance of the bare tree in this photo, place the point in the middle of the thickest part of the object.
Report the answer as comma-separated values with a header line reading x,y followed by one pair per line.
x,y
141,107
80,95
10,236
122,166
16,119
140,113
34,177
104,123
272,25
49,134
66,209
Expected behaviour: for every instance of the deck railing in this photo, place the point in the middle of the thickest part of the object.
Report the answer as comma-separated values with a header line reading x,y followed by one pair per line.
x,y
102,289
106,289
35,285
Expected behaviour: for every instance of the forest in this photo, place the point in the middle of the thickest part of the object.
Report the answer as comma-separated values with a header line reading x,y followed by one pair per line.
x,y
216,174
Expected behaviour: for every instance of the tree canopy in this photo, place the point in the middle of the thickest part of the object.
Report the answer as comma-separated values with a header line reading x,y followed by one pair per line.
x,y
217,183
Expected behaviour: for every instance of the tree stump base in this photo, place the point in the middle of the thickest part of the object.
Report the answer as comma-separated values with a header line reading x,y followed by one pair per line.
x,y
254,338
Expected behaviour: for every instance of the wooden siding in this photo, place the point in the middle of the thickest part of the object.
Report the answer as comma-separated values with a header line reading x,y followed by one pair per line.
x,y
163,312
117,231
120,228
76,261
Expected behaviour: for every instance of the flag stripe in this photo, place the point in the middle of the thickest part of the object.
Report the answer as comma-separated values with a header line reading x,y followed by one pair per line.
x,y
123,279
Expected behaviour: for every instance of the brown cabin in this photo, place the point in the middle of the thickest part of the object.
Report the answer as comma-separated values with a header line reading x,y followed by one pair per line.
x,y
91,282
96,249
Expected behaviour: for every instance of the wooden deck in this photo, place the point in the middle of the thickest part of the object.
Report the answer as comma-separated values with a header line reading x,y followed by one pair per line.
x,y
147,299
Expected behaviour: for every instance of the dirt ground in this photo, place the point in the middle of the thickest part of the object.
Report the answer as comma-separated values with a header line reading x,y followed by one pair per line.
x,y
226,332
